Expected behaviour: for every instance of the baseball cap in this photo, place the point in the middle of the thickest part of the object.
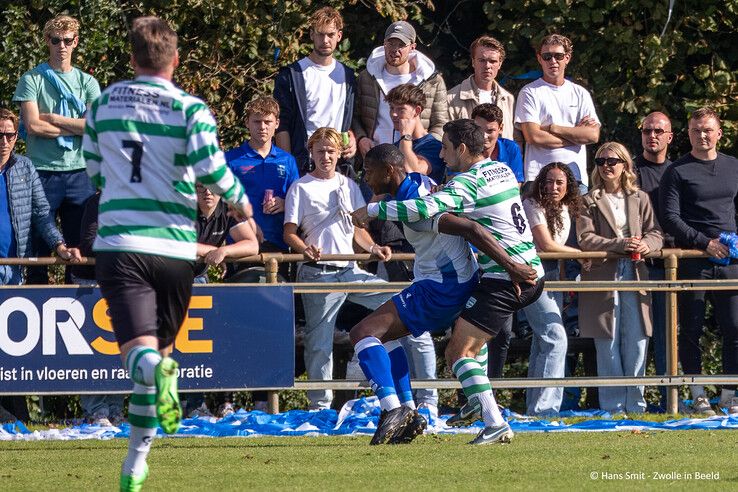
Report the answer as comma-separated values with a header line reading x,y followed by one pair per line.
x,y
400,30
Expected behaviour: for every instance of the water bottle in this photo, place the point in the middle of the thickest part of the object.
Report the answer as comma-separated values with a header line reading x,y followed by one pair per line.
x,y
729,239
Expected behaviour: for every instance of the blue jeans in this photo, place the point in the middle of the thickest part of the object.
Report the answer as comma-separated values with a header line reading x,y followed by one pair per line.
x,y
625,353
67,192
10,275
321,311
658,337
547,350
99,406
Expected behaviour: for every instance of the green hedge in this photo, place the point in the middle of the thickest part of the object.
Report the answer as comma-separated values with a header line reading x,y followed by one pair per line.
x,y
228,48
619,54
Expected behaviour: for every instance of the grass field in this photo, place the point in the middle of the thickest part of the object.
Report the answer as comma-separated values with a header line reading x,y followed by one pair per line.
x,y
554,461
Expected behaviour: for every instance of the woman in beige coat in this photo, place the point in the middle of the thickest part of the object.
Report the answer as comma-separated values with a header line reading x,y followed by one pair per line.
x,y
617,217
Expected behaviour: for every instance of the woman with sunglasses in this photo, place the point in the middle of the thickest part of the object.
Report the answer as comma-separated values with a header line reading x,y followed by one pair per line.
x,y
617,217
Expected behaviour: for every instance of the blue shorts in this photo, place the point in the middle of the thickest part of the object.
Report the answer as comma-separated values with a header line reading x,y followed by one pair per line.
x,y
431,306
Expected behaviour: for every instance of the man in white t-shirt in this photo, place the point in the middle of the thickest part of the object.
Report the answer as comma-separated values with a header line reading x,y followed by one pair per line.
x,y
316,91
557,117
317,221
394,63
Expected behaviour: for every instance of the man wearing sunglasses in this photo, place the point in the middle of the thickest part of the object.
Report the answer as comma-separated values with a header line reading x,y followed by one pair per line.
x,y
557,117
53,98
650,166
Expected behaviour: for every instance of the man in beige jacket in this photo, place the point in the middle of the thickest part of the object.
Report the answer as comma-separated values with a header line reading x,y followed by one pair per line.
x,y
487,56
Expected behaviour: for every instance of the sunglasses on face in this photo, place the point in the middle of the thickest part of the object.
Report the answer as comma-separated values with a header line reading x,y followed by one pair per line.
x,y
8,136
610,161
67,41
656,131
548,55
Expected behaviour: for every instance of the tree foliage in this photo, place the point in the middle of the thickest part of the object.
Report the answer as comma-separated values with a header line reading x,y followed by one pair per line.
x,y
619,54
231,49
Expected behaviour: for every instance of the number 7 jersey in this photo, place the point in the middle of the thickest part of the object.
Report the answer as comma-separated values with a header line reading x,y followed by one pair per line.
x,y
488,194
146,143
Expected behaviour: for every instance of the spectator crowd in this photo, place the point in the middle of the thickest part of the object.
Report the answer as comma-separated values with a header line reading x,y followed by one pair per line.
x,y
302,166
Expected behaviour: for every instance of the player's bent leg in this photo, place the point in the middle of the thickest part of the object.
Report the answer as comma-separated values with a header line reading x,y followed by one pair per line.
x,y
456,349
173,284
140,358
168,408
384,324
377,367
400,367
401,377
464,345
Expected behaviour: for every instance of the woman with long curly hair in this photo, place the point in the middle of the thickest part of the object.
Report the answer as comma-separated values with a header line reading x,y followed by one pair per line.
x,y
617,217
548,204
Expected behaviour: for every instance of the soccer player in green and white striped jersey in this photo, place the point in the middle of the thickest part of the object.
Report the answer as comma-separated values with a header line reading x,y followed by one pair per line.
x,y
487,193
147,143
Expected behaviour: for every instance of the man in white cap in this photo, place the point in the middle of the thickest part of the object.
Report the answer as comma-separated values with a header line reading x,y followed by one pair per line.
x,y
396,62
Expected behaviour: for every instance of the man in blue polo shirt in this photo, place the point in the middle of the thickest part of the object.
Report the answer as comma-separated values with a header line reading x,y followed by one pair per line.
x,y
489,118
265,171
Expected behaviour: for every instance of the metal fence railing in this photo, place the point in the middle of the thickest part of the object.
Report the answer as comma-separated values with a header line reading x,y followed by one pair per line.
x,y
671,285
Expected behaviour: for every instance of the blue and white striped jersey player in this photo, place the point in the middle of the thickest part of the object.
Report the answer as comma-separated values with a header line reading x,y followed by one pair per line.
x,y
486,192
446,274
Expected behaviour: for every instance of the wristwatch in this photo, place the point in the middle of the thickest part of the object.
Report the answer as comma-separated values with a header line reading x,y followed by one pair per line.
x,y
407,137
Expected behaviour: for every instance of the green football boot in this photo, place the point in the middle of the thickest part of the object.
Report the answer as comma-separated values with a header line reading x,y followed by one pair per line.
x,y
168,409
133,483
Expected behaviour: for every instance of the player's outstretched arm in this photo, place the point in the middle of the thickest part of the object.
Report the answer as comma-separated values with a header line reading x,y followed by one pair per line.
x,y
487,244
454,197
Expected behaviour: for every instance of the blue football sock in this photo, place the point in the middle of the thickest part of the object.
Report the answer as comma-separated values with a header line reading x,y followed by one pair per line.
x,y
400,372
375,363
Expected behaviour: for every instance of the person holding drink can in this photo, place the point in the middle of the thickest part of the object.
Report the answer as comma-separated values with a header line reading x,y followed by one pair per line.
x,y
265,171
617,217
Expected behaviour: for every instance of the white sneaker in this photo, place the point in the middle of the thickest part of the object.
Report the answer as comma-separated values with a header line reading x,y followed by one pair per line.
x,y
491,435
701,404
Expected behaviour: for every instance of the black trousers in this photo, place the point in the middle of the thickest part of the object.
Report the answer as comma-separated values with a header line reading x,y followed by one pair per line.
x,y
692,315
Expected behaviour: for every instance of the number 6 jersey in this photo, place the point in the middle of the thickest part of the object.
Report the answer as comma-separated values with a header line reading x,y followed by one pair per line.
x,y
488,194
146,143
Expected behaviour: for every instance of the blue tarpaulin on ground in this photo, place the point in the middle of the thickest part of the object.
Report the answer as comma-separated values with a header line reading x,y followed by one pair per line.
x,y
359,417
